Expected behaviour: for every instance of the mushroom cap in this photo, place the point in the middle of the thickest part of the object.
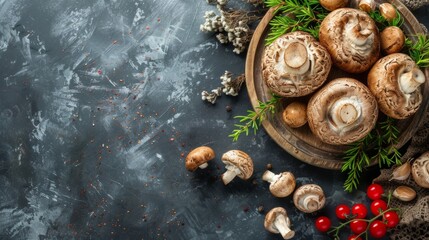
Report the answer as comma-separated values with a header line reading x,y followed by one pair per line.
x,y
240,160
352,39
384,81
388,11
295,114
198,156
284,185
331,5
392,40
342,112
271,217
309,198
420,170
295,64
367,5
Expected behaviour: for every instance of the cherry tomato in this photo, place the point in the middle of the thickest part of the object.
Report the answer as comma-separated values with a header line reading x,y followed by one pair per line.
x,y
354,237
359,210
374,191
391,219
378,206
323,223
342,211
358,226
377,229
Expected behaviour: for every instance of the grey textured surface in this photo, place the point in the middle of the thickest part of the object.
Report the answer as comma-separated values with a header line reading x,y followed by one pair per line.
x,y
100,101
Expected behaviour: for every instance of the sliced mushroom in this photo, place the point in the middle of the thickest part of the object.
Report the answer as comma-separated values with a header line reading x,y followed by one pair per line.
x,y
309,198
404,193
388,11
295,64
277,221
237,163
331,5
392,40
342,112
420,170
295,114
395,82
367,5
198,158
352,39
281,185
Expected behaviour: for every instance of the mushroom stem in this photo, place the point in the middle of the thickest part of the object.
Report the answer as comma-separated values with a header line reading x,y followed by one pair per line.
x,y
345,112
296,58
230,174
410,81
310,203
282,225
204,165
270,176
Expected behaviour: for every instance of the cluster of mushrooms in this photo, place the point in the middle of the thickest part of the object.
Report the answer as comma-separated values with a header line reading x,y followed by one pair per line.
x,y
344,110
307,198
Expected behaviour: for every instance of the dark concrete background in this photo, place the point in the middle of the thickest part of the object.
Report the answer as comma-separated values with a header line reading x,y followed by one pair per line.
x,y
100,102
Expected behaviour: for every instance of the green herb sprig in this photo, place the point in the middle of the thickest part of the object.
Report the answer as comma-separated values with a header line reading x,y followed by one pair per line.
x,y
382,140
382,22
419,50
254,119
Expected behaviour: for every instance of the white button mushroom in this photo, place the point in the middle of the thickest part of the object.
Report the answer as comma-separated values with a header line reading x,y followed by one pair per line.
x,y
237,163
309,198
198,158
281,185
420,170
277,221
295,114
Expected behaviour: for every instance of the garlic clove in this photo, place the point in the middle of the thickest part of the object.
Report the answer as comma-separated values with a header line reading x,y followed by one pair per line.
x,y
404,193
402,172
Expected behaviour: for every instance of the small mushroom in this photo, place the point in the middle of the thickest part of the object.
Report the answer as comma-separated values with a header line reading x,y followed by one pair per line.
x,y
352,39
392,40
309,198
367,5
331,5
404,193
277,221
198,158
295,64
420,170
295,114
237,163
281,185
395,82
342,112
388,11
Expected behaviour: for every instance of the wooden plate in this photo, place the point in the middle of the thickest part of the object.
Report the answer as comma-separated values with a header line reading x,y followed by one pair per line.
x,y
300,142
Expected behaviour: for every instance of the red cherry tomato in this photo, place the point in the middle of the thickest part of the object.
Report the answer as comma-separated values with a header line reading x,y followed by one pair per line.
x,y
358,226
391,219
342,211
354,237
323,224
359,210
374,191
377,229
378,206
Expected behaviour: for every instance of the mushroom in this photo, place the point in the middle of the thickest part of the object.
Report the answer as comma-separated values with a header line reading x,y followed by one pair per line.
x,y
277,221
198,158
392,40
295,114
395,82
295,64
352,39
367,5
309,198
331,5
281,185
237,163
420,170
342,112
404,193
388,11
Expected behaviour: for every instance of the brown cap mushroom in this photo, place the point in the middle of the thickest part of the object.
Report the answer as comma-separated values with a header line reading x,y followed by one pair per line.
x,y
342,112
295,114
295,64
237,163
367,5
277,221
395,82
281,185
309,198
352,39
388,11
331,5
198,158
420,170
392,40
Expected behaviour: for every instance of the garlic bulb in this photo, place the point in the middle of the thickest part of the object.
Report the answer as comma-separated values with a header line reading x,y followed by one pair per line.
x,y
402,172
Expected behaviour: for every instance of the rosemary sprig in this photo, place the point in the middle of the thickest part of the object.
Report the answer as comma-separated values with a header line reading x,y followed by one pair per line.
x,y
382,23
359,155
254,119
303,15
419,50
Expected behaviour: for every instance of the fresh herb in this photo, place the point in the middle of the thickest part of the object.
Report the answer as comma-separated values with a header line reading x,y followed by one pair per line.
x,y
419,50
254,119
381,140
296,15
382,22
